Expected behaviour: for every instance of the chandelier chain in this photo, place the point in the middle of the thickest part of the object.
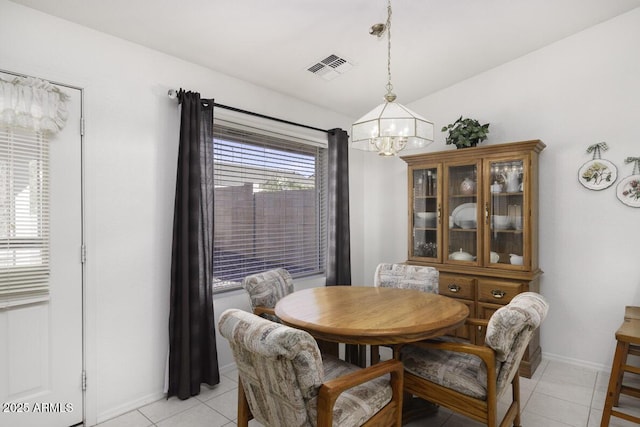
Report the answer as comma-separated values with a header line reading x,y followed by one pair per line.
x,y
389,85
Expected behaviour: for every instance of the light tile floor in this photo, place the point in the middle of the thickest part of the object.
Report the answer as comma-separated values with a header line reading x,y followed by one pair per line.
x,y
558,395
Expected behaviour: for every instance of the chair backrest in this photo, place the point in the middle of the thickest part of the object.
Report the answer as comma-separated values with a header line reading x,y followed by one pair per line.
x,y
407,277
267,288
509,331
280,367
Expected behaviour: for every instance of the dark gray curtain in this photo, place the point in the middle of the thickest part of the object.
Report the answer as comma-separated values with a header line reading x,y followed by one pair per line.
x,y
338,241
193,358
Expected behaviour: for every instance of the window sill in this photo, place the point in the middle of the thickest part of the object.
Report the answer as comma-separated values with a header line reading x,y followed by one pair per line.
x,y
235,288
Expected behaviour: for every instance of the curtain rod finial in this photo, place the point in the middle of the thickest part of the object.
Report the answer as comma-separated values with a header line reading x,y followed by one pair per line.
x,y
173,94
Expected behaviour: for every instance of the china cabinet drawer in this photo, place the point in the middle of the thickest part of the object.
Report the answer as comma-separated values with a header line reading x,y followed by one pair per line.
x,y
457,286
486,310
497,291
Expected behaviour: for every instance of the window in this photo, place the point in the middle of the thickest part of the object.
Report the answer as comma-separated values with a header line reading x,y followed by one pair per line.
x,y
24,216
269,204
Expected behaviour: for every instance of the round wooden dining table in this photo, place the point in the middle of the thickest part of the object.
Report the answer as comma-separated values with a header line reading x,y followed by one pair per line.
x,y
371,315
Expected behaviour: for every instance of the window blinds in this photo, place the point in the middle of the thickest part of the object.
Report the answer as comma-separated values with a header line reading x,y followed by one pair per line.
x,y
268,204
24,216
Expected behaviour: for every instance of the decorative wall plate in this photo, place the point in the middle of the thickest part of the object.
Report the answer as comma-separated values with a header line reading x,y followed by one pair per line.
x,y
628,191
597,173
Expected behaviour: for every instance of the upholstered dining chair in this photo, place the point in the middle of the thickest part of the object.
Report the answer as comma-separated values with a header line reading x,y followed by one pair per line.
x,y
470,379
266,289
404,276
285,381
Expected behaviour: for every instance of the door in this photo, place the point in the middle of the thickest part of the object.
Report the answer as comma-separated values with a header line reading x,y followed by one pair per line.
x,y
507,205
41,347
425,213
462,203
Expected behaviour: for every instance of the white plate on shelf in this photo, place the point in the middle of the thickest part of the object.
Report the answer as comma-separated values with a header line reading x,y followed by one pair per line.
x,y
464,212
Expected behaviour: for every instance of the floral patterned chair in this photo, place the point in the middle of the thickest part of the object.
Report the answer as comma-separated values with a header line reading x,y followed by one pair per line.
x,y
284,380
407,277
266,289
470,379
404,276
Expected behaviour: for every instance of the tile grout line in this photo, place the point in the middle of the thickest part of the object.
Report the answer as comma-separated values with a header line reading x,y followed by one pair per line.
x,y
216,411
147,418
155,423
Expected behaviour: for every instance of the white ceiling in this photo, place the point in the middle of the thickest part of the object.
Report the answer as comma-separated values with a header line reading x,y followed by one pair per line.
x,y
435,43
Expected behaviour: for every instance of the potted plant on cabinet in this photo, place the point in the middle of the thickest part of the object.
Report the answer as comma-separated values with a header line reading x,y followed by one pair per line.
x,y
466,132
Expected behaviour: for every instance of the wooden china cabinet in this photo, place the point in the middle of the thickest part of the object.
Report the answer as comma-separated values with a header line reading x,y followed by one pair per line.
x,y
473,215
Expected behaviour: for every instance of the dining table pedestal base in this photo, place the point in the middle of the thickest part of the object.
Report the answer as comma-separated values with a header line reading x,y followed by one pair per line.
x,y
414,408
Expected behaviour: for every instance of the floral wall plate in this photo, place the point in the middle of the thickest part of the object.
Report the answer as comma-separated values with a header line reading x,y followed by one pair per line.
x,y
597,174
628,191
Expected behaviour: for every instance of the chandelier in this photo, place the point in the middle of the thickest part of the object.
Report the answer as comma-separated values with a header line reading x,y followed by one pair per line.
x,y
390,127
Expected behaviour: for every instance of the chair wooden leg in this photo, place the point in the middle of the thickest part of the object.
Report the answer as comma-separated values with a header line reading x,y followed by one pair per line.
x,y
615,382
492,409
515,389
244,413
623,362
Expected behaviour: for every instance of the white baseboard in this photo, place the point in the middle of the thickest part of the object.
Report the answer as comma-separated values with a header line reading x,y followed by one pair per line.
x,y
577,362
129,406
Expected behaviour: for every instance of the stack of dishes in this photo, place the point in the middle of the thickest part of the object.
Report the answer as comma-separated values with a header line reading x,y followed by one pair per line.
x,y
465,215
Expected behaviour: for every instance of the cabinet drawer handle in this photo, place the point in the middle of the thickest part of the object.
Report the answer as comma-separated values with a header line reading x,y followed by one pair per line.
x,y
454,288
498,294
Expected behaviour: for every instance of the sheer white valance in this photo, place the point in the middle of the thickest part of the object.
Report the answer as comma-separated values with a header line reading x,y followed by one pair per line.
x,y
33,104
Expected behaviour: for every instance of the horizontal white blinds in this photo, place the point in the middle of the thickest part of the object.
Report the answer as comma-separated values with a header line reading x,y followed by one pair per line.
x,y
268,204
24,215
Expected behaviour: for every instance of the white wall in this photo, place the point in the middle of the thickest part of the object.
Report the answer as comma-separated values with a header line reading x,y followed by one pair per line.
x,y
577,92
131,152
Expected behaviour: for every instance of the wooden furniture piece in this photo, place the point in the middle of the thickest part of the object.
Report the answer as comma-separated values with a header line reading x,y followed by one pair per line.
x,y
473,215
628,342
469,379
318,390
403,276
361,315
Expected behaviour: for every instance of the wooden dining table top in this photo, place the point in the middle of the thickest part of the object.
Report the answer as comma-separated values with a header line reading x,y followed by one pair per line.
x,y
371,315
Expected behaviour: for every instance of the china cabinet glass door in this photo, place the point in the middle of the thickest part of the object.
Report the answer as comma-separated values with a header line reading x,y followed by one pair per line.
x,y
506,208
462,242
426,213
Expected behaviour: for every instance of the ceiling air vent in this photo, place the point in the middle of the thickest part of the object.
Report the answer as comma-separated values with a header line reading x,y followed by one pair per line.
x,y
330,67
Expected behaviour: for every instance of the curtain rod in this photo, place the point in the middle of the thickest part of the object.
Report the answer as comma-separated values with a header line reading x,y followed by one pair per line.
x,y
14,73
174,94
